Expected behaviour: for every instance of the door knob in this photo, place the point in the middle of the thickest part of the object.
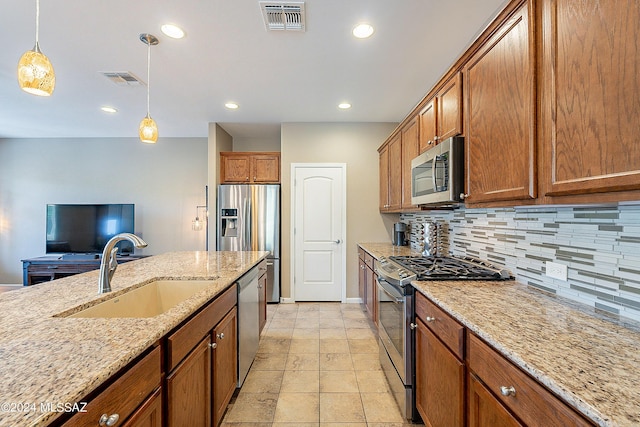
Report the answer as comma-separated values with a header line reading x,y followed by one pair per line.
x,y
337,241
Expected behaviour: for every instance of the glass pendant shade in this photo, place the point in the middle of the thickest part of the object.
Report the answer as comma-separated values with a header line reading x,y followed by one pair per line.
x,y
148,130
35,73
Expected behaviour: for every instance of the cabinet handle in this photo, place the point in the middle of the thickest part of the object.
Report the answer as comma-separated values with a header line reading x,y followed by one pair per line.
x,y
464,196
254,178
507,391
247,179
430,142
220,336
435,138
108,420
213,345
430,319
413,326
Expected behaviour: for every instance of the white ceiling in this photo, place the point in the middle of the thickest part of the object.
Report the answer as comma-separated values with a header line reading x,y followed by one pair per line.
x,y
227,55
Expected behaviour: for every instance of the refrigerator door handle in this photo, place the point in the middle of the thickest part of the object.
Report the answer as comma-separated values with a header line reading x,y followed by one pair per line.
x,y
246,244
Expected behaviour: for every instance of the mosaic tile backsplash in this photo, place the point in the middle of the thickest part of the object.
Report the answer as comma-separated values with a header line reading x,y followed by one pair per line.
x,y
599,245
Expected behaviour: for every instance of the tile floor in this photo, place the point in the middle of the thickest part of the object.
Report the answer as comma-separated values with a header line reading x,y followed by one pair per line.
x,y
317,365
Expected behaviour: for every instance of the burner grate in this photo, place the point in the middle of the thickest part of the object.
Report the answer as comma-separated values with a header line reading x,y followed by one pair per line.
x,y
450,268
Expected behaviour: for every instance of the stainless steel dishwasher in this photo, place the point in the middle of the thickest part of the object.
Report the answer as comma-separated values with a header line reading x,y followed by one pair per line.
x,y
248,322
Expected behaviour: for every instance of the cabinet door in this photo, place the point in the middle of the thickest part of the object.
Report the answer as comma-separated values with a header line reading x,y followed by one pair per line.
x,y
149,414
590,88
485,410
225,363
439,381
449,98
428,130
395,173
384,178
409,152
189,389
499,115
371,295
266,168
235,167
262,301
362,277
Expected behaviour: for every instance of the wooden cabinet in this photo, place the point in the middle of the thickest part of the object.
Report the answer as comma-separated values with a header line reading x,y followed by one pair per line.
x,y
225,363
149,414
590,100
139,381
383,169
499,95
202,364
367,284
391,174
249,167
441,116
410,136
440,372
507,392
262,296
189,389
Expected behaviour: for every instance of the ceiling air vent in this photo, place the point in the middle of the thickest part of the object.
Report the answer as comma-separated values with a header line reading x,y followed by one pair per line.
x,y
283,16
123,78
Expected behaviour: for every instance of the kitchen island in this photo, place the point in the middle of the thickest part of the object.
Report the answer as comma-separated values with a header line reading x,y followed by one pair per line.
x,y
48,360
588,359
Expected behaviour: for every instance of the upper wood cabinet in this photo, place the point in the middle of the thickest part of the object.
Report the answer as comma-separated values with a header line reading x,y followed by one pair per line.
x,y
391,174
499,111
409,152
249,167
441,117
590,99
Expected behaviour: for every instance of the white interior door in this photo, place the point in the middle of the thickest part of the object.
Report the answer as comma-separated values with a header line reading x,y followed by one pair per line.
x,y
319,218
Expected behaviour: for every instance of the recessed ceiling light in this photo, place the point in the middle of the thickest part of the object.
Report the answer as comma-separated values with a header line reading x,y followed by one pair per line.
x,y
231,105
108,109
172,30
344,106
362,31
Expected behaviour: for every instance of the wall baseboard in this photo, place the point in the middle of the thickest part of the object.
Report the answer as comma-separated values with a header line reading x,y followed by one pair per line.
x,y
287,301
353,301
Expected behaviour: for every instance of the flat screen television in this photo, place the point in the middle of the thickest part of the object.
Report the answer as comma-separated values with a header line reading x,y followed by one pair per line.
x,y
86,229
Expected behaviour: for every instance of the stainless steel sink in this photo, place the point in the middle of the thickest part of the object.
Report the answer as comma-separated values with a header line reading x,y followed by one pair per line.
x,y
149,300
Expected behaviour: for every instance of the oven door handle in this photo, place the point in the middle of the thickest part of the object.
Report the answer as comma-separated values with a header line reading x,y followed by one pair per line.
x,y
393,297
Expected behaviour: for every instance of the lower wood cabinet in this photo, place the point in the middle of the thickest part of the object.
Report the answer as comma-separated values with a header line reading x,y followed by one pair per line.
x,y
367,284
485,410
225,363
262,296
440,375
149,414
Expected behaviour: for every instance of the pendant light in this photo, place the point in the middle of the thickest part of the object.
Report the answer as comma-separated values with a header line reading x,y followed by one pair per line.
x,y
148,130
35,72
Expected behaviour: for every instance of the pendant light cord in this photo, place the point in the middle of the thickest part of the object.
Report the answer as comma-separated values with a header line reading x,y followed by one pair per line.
x,y
148,74
37,19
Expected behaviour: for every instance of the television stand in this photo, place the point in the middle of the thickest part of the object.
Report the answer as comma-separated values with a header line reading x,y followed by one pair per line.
x,y
47,268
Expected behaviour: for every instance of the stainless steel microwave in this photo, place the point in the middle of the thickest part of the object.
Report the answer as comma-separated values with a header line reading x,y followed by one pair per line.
x,y
437,175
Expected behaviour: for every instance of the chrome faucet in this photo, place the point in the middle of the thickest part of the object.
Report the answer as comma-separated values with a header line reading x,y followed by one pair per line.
x,y
109,262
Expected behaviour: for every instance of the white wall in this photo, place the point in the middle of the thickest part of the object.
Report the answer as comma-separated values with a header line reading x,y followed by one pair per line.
x,y
356,145
256,144
165,181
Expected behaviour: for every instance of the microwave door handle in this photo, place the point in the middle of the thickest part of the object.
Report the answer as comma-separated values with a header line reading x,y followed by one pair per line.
x,y
433,174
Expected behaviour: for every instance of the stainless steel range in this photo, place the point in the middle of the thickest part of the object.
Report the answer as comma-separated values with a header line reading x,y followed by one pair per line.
x,y
396,312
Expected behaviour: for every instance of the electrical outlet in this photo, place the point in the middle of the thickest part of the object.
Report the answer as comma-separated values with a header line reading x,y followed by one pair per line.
x,y
556,270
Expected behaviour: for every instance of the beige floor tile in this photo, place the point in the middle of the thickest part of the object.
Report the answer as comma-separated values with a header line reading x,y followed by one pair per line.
x,y
338,382
360,334
353,314
357,323
372,382
341,407
302,345
288,307
308,315
269,362
336,323
285,314
283,323
300,382
252,407
297,424
334,346
297,407
381,408
366,361
308,306
271,332
330,314
307,333
274,345
333,334
363,346
343,424
302,323
336,362
225,424
330,306
262,382
302,362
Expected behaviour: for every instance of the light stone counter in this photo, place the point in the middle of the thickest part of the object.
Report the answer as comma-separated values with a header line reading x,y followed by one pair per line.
x,y
47,359
590,360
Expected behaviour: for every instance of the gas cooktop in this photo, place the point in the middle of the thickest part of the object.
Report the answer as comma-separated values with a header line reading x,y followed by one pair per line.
x,y
401,270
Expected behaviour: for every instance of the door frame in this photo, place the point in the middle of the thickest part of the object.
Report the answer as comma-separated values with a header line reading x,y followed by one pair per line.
x,y
292,243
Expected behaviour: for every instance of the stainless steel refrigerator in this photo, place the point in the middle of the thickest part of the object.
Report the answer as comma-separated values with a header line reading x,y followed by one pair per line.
x,y
249,220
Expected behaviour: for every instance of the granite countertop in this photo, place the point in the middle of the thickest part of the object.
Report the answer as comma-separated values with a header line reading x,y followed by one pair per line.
x,y
590,360
48,359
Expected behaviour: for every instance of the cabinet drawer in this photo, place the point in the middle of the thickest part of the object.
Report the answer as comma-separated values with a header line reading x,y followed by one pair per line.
x,y
360,253
528,400
180,343
368,259
124,395
443,326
